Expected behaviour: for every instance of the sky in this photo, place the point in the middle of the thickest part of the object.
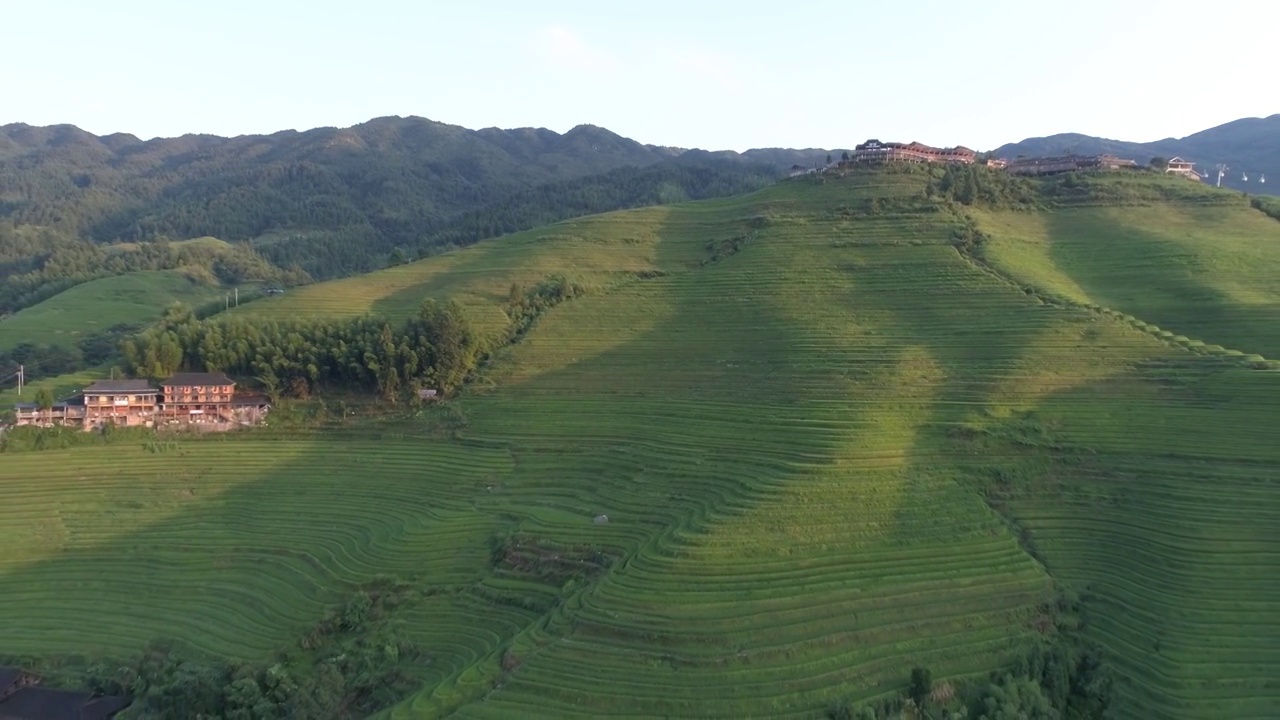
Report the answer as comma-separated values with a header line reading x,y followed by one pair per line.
x,y
693,73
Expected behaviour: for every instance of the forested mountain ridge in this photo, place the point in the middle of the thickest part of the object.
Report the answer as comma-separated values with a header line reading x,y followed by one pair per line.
x,y
336,201
121,188
1248,146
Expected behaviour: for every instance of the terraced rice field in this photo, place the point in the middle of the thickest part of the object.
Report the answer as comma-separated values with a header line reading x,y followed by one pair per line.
x,y
1205,272
817,455
97,305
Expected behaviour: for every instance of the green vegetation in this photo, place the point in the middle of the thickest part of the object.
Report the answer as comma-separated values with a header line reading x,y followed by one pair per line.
x,y
758,456
1204,271
38,265
437,348
327,202
134,299
1268,205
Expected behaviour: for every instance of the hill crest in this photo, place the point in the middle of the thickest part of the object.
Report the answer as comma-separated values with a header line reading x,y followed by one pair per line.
x,y
1247,146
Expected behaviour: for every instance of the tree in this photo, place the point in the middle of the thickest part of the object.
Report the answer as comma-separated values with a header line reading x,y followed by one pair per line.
x,y
1017,699
44,400
921,685
1159,163
828,158
845,156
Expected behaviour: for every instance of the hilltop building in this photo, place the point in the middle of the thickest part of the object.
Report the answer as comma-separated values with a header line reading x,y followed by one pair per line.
x,y
206,400
876,152
1185,168
1066,163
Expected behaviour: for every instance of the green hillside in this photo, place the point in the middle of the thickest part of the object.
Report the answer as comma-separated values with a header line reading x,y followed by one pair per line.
x,y
136,298
1204,272
838,430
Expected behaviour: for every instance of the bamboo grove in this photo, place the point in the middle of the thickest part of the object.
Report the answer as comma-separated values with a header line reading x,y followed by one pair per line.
x,y
437,348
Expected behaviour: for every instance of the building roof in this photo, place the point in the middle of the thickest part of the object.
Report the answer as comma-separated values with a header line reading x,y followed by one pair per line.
x,y
41,703
60,405
213,378
249,399
48,703
121,386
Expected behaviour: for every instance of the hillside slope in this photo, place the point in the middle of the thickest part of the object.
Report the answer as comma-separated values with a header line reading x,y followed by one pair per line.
x,y
829,441
134,299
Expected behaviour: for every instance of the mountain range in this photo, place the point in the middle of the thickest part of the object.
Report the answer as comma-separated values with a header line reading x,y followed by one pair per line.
x,y
335,200
1248,147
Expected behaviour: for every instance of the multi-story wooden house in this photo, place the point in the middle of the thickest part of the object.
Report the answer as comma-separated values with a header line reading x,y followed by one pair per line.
x,y
120,402
209,400
198,398
874,151
1184,168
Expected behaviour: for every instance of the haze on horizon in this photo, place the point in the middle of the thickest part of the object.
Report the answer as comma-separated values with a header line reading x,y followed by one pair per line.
x,y
714,75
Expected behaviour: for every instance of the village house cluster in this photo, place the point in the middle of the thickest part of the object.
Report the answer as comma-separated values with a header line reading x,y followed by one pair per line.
x,y
875,152
208,401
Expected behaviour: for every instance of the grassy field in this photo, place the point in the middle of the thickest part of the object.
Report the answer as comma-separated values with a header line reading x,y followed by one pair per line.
x,y
99,304
829,446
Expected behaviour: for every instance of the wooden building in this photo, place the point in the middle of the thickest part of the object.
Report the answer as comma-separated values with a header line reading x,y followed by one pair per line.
x,y
208,401
127,403
876,152
198,398
1184,168
1066,163
64,412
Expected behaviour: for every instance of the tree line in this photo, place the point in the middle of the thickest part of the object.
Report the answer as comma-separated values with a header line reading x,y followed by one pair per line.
x,y
40,360
38,263
436,348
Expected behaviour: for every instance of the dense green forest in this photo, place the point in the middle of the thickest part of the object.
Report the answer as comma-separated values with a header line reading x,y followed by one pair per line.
x,y
358,247
435,349
319,204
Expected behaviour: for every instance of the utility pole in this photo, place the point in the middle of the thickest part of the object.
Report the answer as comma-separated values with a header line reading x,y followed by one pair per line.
x,y
21,377
237,297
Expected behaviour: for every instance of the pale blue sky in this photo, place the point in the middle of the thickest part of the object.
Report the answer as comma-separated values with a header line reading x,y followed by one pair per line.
x,y
793,73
